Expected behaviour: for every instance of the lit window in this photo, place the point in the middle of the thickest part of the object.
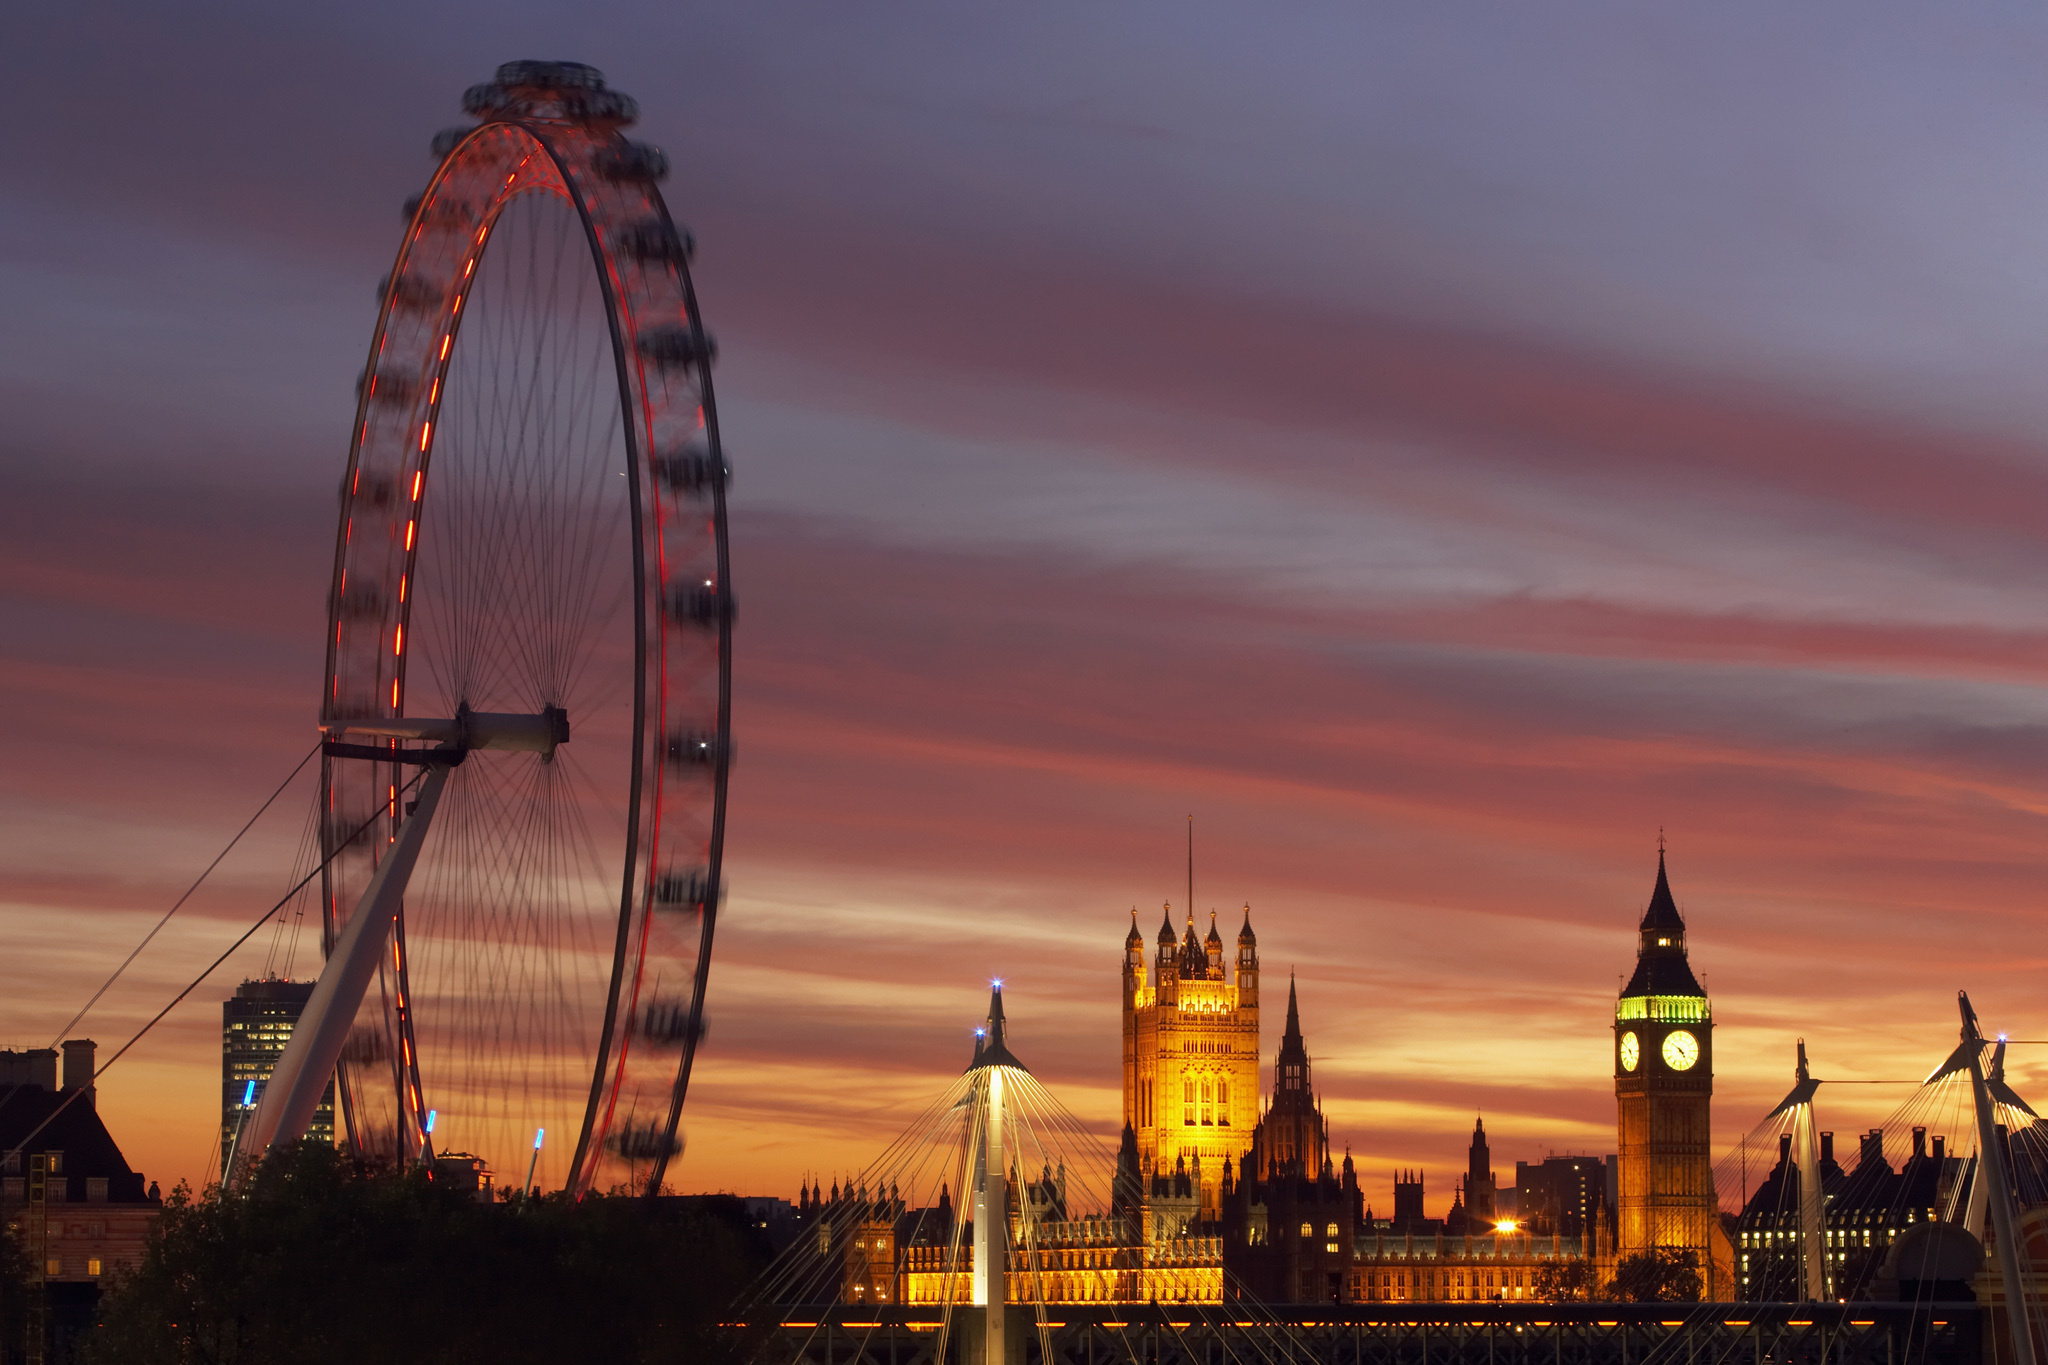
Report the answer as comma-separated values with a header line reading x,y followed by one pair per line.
x,y
1332,1232
1308,1229
53,1266
92,1267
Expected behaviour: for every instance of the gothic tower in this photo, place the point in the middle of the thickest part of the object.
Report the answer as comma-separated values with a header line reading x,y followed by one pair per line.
x,y
1481,1195
1191,1052
1293,1139
1664,1089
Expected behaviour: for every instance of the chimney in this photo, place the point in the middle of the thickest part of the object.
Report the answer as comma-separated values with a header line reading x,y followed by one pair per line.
x,y
1940,1148
1920,1141
1827,1147
1784,1148
1873,1146
78,1066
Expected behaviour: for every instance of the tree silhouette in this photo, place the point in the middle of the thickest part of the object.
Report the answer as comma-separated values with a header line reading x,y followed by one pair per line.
x,y
1660,1275
321,1261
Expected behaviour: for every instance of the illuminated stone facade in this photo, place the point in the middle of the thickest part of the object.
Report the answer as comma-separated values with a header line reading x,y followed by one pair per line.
x,y
1664,1091
1390,1269
1191,1055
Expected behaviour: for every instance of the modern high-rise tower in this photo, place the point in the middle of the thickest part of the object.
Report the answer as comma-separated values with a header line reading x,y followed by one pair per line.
x,y
256,1023
1191,1052
1664,1090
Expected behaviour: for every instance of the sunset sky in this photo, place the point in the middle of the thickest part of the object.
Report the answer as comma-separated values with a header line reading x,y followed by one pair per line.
x,y
1436,447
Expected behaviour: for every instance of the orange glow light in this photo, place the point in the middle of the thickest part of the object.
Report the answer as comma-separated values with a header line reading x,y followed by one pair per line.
x,y
426,431
398,641
417,476
408,535
435,396
446,340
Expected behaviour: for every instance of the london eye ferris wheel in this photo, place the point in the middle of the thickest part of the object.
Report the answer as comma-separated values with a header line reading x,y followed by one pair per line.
x,y
529,641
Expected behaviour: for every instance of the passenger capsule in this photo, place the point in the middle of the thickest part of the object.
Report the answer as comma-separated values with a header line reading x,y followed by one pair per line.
x,y
696,749
550,76
668,1021
360,602
634,163
676,347
608,108
410,295
691,471
655,240
700,606
485,101
643,1142
683,890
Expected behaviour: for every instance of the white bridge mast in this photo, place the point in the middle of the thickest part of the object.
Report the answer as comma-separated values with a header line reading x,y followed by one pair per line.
x,y
991,1195
1992,1175
1813,1262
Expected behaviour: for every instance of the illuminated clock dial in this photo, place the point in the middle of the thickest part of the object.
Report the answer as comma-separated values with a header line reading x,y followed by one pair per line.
x,y
1631,1051
1681,1050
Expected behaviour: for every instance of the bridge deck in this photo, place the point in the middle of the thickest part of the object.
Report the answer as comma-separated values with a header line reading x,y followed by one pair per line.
x,y
1383,1334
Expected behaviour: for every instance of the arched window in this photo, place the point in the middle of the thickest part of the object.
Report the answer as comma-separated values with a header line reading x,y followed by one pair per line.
x,y
1187,1101
1308,1229
1208,1103
1222,1103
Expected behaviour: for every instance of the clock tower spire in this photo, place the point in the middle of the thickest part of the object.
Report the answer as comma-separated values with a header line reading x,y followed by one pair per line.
x,y
1664,1089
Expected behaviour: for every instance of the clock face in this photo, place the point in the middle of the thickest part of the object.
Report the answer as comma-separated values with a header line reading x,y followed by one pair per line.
x,y
1681,1050
1631,1051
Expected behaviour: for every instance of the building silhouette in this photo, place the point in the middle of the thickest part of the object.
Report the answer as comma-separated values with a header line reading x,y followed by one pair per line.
x,y
1481,1196
73,1204
1864,1211
1664,1090
1290,1220
256,1023
1569,1195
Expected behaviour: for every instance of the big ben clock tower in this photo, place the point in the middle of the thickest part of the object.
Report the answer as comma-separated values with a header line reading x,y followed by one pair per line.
x,y
1664,1090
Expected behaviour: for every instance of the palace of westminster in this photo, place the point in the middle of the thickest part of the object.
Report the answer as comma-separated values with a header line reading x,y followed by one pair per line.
x,y
1214,1181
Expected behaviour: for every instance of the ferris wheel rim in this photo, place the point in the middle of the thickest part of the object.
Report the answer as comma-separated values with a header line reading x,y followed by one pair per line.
x,y
570,178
